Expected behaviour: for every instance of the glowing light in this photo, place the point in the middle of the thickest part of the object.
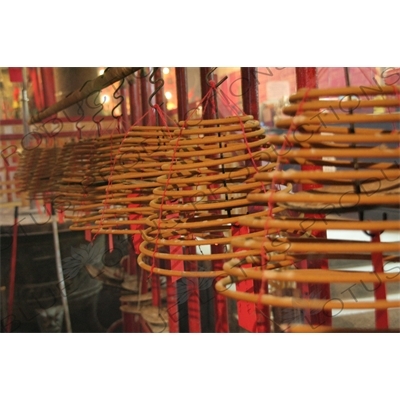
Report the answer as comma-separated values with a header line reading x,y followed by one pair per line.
x,y
168,95
106,98
165,70
101,71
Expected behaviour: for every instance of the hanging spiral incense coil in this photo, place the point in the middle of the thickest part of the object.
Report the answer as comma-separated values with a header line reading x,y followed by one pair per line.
x,y
204,193
84,186
25,172
303,145
38,174
365,176
78,179
26,168
128,165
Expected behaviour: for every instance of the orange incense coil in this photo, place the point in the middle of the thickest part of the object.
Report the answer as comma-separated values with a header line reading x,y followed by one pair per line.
x,y
204,193
360,172
117,159
26,168
38,174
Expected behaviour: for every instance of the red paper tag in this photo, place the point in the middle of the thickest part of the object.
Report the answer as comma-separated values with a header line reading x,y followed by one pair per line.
x,y
176,264
110,243
247,317
48,209
61,219
88,235
246,310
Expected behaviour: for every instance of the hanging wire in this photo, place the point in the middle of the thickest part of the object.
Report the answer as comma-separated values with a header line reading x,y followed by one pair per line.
x,y
156,88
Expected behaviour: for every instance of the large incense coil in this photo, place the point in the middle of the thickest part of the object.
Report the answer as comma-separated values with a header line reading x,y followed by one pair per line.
x,y
359,182
203,195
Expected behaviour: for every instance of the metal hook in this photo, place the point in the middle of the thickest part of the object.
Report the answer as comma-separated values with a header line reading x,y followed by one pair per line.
x,y
81,114
209,78
100,104
117,97
157,89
